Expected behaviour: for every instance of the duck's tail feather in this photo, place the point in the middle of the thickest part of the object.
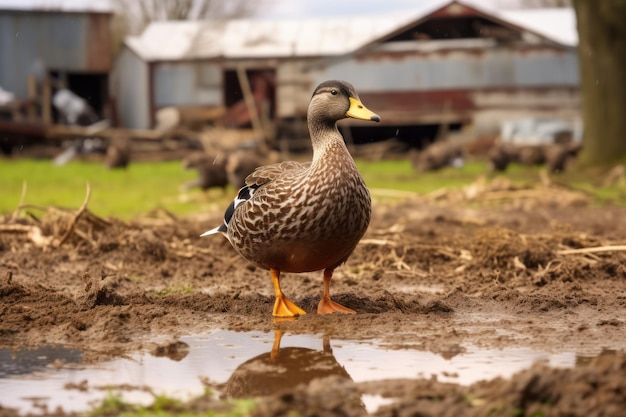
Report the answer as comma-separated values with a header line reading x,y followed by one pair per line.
x,y
244,194
222,228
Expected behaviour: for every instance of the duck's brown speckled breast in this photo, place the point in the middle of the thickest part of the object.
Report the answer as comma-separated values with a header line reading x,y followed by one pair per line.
x,y
306,222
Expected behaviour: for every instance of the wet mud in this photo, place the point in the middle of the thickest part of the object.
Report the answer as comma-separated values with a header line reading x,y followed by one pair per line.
x,y
436,274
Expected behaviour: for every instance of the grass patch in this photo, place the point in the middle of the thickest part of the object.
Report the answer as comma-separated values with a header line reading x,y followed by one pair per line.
x,y
120,193
602,194
144,187
179,290
114,405
400,175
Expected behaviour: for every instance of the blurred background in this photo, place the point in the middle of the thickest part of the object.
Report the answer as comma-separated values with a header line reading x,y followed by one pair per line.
x,y
223,86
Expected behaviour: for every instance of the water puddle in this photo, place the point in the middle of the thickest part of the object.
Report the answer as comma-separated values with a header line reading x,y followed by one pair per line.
x,y
244,364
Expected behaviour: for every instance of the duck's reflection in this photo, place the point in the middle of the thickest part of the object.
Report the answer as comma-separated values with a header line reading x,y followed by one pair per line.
x,y
282,369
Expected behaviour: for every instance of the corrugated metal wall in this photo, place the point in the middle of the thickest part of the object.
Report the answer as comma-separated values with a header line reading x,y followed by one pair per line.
x,y
409,87
187,84
295,86
496,68
32,42
417,87
184,83
131,90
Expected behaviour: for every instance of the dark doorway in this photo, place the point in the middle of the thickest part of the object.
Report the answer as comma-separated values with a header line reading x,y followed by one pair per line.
x,y
414,136
93,87
262,84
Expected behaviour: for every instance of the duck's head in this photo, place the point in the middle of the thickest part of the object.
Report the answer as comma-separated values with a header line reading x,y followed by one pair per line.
x,y
335,100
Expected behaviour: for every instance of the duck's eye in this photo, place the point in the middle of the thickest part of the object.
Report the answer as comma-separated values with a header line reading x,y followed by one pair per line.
x,y
333,91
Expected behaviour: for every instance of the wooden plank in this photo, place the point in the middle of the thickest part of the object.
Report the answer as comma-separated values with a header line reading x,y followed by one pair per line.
x,y
244,83
32,97
60,131
46,101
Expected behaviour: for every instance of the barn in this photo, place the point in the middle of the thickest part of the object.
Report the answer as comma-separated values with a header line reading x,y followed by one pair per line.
x,y
452,64
72,46
189,64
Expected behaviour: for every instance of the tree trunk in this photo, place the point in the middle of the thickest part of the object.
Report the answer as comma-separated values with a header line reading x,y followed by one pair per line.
x,y
602,61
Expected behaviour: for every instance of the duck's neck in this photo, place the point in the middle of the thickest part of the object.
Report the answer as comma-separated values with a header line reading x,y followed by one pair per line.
x,y
325,137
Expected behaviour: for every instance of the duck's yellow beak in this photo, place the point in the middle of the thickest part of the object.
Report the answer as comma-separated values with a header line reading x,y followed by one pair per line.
x,y
358,111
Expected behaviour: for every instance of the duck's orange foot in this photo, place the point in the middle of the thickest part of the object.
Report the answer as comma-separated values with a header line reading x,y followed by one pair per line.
x,y
328,306
283,307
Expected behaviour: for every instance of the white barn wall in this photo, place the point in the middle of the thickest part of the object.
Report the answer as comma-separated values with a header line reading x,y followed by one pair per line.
x,y
130,87
190,83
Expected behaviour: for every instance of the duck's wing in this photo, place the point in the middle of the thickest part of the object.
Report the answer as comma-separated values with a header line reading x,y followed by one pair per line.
x,y
259,177
268,173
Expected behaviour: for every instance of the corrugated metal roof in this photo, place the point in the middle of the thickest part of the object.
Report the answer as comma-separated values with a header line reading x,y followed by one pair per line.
x,y
249,38
557,24
92,6
244,38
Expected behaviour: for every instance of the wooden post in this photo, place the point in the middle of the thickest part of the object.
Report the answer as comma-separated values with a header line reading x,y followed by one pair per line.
x,y
46,102
249,100
444,129
31,86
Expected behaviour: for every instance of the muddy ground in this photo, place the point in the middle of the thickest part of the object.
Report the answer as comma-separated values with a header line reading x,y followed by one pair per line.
x,y
491,266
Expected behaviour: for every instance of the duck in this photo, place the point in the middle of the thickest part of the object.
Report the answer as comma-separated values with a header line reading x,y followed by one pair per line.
x,y
211,169
293,217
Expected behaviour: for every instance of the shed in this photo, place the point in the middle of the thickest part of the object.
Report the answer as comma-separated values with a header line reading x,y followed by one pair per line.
x,y
190,64
449,63
462,65
72,45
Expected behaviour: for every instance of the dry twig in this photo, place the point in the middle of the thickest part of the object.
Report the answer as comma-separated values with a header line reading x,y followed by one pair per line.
x,y
19,205
34,233
377,242
596,249
76,216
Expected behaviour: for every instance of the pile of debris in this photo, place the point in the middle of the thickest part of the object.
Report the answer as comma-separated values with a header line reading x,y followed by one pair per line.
x,y
537,141
555,156
220,167
437,156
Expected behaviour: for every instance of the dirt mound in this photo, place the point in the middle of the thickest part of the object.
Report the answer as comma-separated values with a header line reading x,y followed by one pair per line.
x,y
594,388
429,275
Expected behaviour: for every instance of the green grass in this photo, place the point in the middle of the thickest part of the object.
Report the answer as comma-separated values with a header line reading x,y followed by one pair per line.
x,y
121,193
144,187
400,175
114,405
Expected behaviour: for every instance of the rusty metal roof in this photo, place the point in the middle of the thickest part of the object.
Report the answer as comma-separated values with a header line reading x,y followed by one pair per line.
x,y
316,37
558,24
246,38
66,6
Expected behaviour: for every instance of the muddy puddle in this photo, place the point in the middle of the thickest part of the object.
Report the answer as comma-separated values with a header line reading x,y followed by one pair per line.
x,y
242,364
